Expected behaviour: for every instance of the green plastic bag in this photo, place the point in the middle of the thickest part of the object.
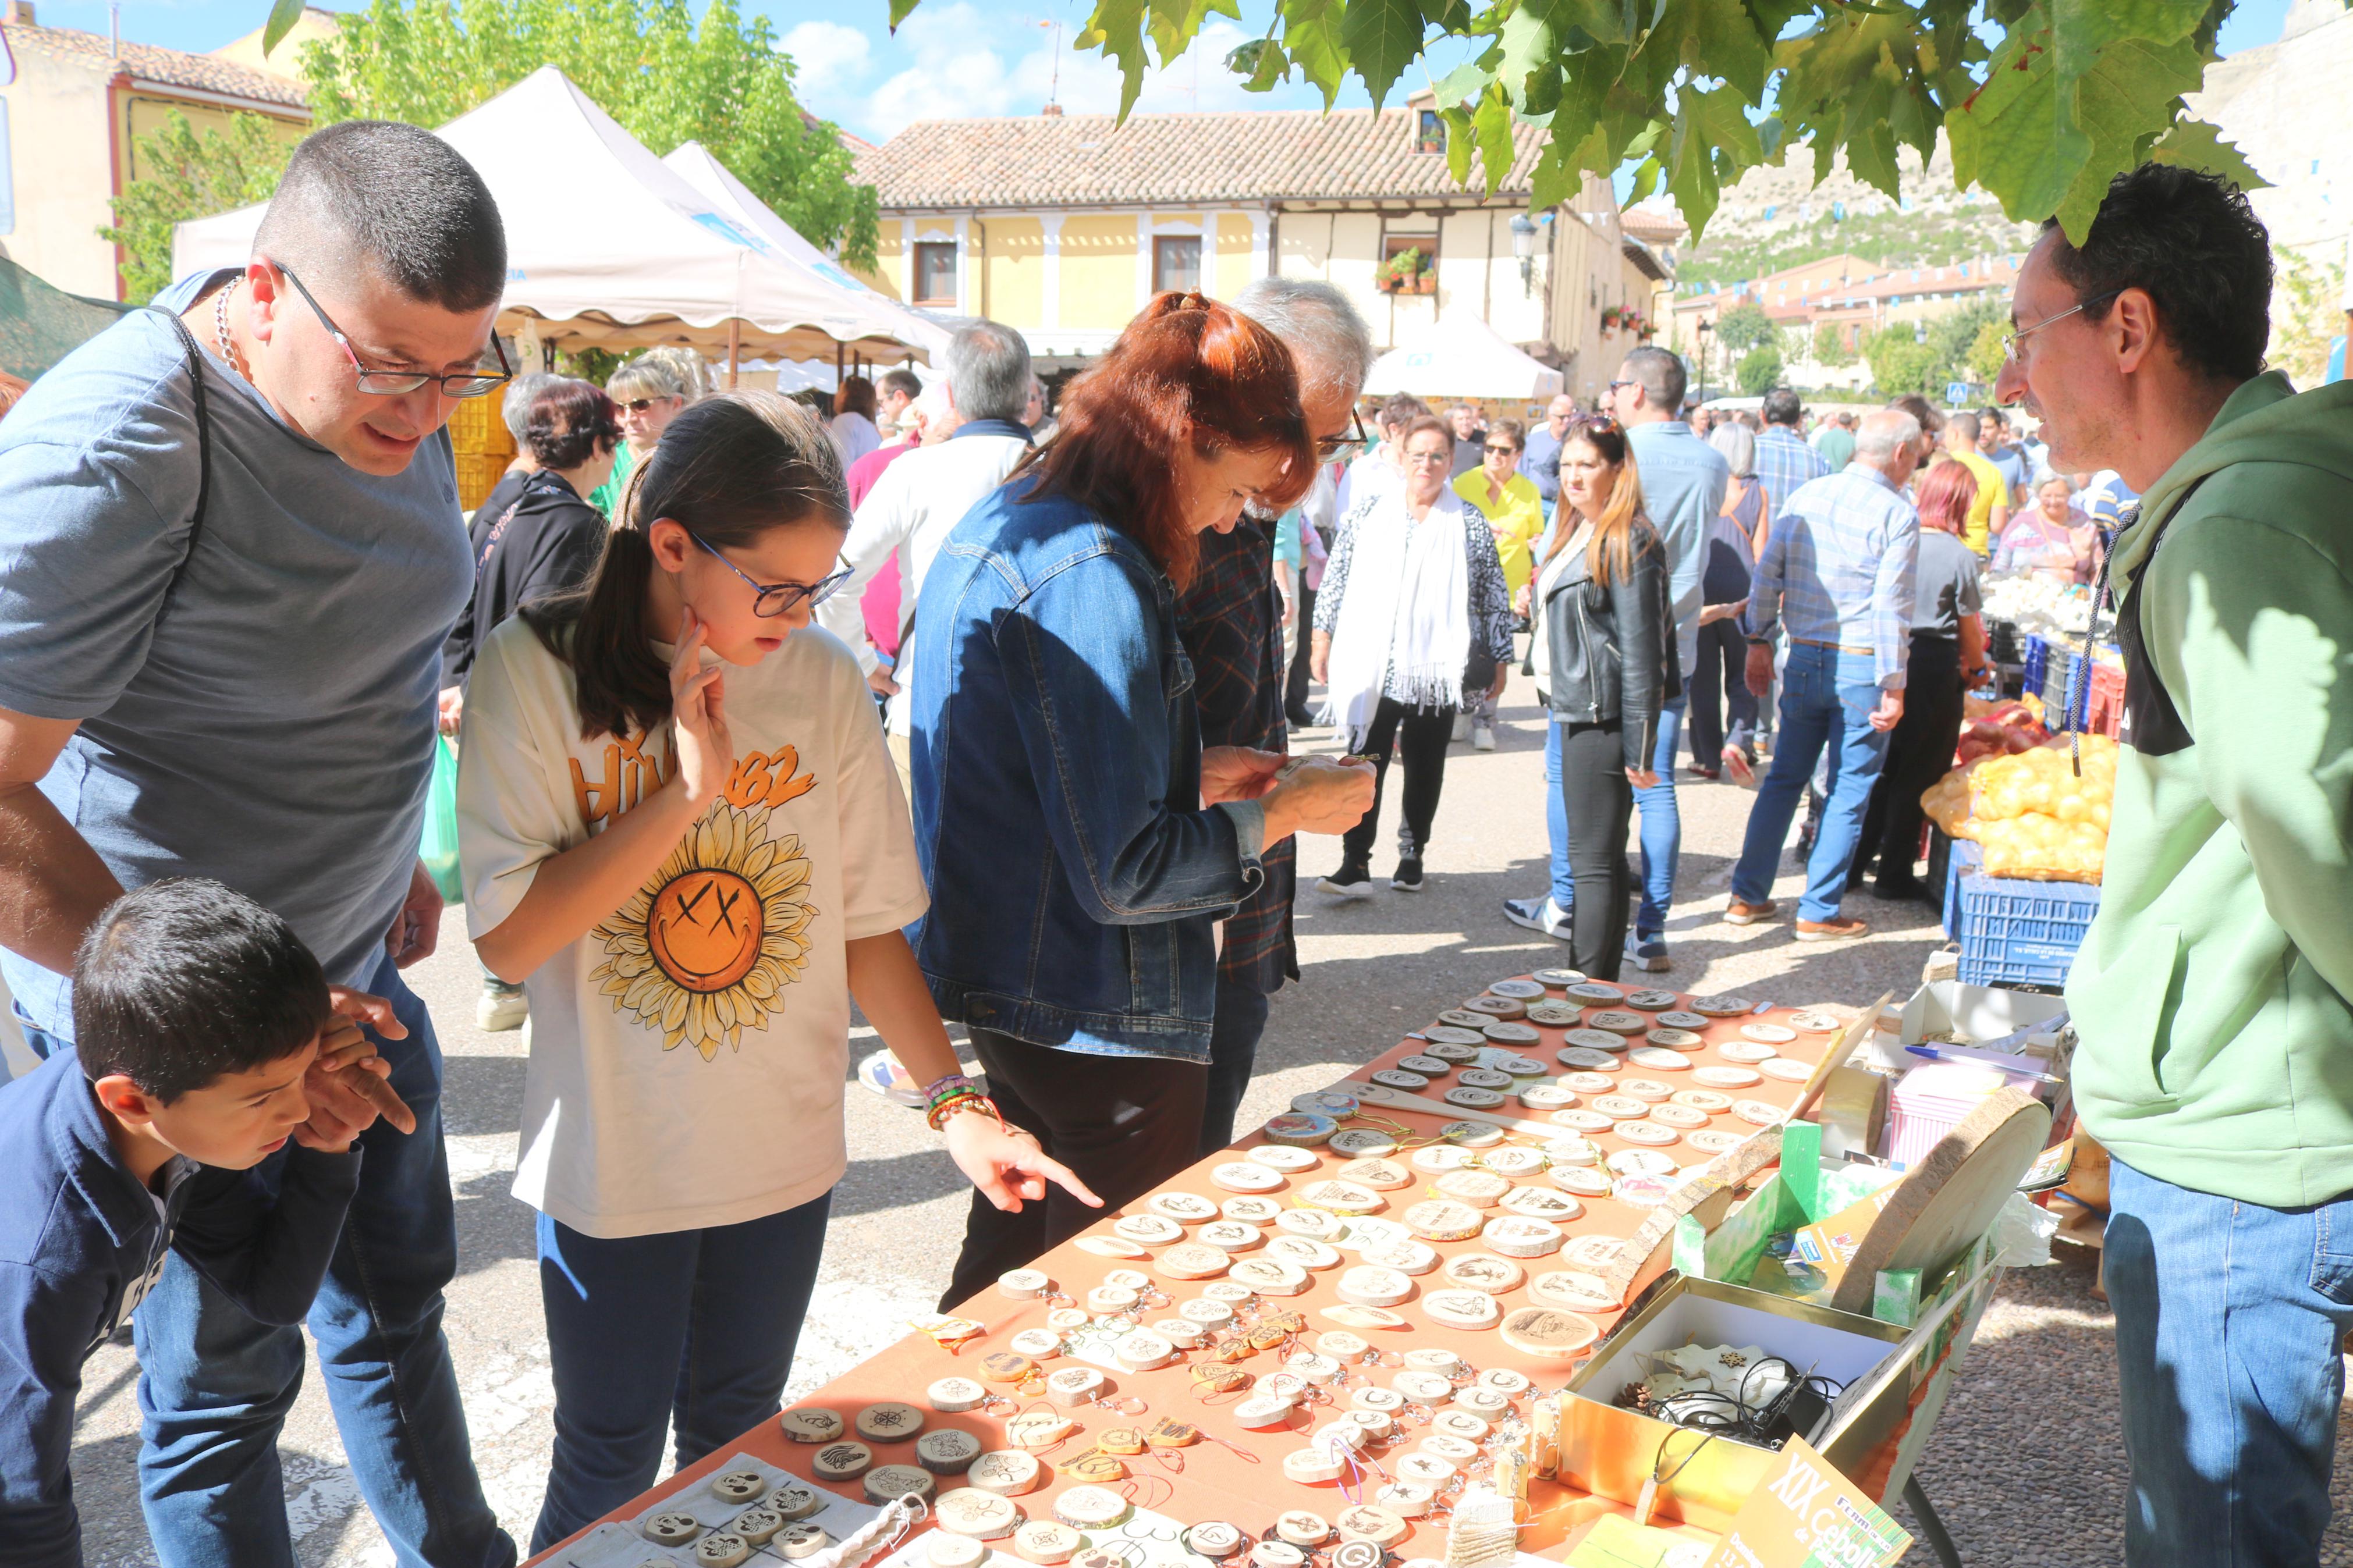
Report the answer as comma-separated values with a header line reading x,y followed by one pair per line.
x,y
439,849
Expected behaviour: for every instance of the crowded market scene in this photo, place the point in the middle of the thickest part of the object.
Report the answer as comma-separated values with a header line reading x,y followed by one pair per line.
x,y
726,834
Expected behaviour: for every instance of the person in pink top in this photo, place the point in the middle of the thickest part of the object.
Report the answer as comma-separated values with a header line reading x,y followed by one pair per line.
x,y
922,419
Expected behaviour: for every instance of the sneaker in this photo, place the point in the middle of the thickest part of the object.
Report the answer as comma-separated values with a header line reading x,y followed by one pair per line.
x,y
1741,913
1709,774
1647,953
1838,928
1482,737
1737,764
1462,726
1354,879
1538,915
881,1073
1406,878
500,1007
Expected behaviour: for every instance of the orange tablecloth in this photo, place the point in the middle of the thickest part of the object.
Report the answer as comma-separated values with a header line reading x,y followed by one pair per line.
x,y
1240,1479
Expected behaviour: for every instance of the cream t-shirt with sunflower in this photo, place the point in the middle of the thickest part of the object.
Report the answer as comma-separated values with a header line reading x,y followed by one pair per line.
x,y
688,1055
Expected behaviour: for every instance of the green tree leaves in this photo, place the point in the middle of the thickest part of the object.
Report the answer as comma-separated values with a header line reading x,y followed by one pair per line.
x,y
1759,372
184,176
2043,100
1743,327
666,75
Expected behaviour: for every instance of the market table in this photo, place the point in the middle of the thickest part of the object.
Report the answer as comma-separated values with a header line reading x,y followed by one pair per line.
x,y
1236,1475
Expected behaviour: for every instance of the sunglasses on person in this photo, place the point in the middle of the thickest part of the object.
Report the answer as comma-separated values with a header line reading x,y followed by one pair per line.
x,y
1506,451
393,382
778,598
639,404
1602,421
1331,446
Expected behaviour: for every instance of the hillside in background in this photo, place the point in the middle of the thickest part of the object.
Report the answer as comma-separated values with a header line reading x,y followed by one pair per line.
x,y
1777,217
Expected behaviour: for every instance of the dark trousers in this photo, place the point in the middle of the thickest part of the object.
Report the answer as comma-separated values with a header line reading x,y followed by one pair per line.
x,y
1919,753
1123,1124
1720,680
691,1327
1599,801
1294,688
1233,1052
1420,737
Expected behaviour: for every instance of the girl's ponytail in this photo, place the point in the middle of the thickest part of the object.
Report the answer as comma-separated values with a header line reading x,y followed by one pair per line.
x,y
728,470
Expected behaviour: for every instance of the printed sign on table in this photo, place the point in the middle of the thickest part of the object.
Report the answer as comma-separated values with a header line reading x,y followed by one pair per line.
x,y
1807,1515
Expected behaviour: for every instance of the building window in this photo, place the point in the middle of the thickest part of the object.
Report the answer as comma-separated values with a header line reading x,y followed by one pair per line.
x,y
1429,134
936,272
1175,263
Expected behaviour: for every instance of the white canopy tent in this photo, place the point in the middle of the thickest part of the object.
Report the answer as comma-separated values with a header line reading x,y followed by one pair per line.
x,y
607,248
1462,356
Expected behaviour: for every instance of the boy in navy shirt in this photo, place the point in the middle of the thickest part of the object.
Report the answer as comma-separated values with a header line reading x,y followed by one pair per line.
x,y
198,1016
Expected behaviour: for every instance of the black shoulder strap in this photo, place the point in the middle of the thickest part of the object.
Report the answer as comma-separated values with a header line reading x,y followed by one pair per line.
x,y
204,449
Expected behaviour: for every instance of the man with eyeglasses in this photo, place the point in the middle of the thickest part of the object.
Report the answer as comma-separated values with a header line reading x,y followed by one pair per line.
x,y
235,551
2210,996
1542,463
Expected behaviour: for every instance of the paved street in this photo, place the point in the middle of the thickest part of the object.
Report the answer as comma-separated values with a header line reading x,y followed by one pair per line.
x,y
2033,1421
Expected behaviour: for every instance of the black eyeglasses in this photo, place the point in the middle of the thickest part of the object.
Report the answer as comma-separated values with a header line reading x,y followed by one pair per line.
x,y
393,382
780,598
1331,446
1616,385
1506,451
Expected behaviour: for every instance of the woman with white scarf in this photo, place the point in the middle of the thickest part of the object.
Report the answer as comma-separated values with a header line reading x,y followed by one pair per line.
x,y
1411,622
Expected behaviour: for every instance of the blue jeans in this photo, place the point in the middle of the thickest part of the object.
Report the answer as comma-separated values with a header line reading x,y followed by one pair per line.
x,y
1661,829
214,1386
1827,699
695,1325
2228,1317
1233,1052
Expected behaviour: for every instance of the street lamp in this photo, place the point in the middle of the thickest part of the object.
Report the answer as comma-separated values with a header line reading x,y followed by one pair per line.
x,y
1523,246
1704,329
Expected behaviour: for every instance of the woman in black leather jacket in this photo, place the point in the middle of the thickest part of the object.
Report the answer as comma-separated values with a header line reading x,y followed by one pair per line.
x,y
1604,657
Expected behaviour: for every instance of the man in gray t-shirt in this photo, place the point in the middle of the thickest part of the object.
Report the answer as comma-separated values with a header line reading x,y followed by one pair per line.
x,y
219,654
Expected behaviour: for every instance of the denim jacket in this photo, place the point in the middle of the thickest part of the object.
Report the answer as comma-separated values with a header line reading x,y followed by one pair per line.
x,y
1076,882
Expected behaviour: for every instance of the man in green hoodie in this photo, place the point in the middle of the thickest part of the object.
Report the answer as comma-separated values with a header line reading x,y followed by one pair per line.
x,y
2211,995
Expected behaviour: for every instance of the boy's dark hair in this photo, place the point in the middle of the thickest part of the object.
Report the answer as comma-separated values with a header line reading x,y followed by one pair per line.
x,y
1781,406
185,981
2192,241
394,198
903,382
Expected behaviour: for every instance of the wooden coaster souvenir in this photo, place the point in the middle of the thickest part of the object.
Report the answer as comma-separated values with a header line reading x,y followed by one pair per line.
x,y
1787,1069
1722,1006
1422,1471
1246,1176
1659,1059
1593,1081
1213,1539
1460,1018
1618,1021
1336,1104
1408,1256
1147,1229
1651,1001
1726,1077
1341,1197
1439,1157
1453,1450
1230,1236
1812,1022
1262,1411
1110,1247
1541,1202
1569,1149
1225,1291
1047,1542
1453,1045
1076,1386
1758,1113
841,1461
1487,1403
1483,1271
1511,1032
1439,1359
1109,1300
1483,1078
885,1482
1269,1276
1302,1528
1404,1500
1519,1236
1363,1143
1620,1107
1460,1425
722,1549
1185,1208
1096,1468
1714,1141
756,1525
1555,979
1039,1344
1140,1351
1479,1189
1471,1134
949,1451
1009,1472
889,1422
1594,1038
1514,1161
1460,1309
1588,1063
1580,1179
1378,1175
1546,1096
1474,1098
1194,1261
1182,1332
1595,991
1035,1429
1555,1015
738,1486
795,1501
1299,1128
1641,1162
1497,1006
1574,1289
1549,1334
1090,1508
1205,1313
811,1424
952,1395
945,1550
1675,1018
1748,1053
1316,1225
1363,1317
1377,1425
1674,1040
1426,1387
1370,1287
796,1541
1277,1553
1444,1219
1703,1100
1682,1117
1767,1034
1649,1134
1288,1158
1304,1251
1427,1066
1517,989
669,1528
1376,1400
1397,1078
1023,1284
1502,1380
1645,1088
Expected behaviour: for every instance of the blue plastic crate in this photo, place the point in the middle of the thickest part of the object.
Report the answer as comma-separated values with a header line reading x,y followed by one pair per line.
x,y
1961,855
2018,932
2038,658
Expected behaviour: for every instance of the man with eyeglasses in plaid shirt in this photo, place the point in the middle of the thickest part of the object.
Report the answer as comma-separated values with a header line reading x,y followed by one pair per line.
x,y
235,551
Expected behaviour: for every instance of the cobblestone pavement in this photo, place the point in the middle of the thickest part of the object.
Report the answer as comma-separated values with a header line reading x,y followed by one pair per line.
x,y
2026,1467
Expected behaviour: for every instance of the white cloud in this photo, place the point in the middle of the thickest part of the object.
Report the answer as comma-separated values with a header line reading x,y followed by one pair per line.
x,y
827,55
952,75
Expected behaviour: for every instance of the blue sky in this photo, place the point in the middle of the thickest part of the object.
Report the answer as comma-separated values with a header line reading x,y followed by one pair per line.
x,y
952,57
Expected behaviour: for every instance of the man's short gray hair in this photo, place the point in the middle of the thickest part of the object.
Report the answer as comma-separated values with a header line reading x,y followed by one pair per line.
x,y
1883,433
1329,342
1659,374
515,407
393,198
988,371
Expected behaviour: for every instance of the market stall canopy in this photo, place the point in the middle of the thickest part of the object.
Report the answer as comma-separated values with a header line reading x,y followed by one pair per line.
x,y
1462,356
40,325
607,247
693,163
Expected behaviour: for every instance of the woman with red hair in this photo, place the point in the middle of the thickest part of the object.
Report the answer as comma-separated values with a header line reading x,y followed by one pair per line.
x,y
1079,844
1949,653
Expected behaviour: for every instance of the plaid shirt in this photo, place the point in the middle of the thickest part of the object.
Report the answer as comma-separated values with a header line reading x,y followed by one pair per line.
x,y
1784,462
1838,569
1230,621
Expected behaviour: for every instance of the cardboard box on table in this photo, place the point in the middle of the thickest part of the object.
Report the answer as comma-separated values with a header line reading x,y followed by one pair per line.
x,y
1238,1477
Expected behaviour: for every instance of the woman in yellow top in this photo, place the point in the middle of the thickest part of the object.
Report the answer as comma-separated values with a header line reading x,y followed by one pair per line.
x,y
1515,513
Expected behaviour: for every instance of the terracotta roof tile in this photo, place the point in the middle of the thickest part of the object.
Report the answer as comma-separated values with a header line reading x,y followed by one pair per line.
x,y
1080,160
172,67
